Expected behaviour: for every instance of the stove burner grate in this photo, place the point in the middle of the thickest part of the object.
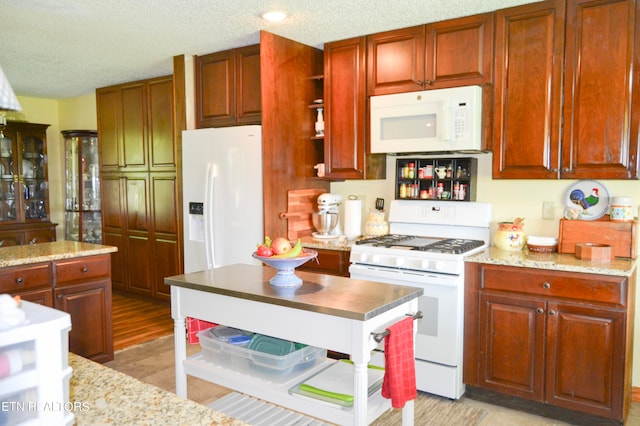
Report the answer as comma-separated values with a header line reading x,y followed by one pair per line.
x,y
410,242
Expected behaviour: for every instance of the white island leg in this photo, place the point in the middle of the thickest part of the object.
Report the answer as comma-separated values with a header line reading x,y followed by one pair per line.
x,y
180,343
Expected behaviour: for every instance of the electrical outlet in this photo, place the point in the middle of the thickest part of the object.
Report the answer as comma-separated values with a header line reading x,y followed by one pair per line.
x,y
547,210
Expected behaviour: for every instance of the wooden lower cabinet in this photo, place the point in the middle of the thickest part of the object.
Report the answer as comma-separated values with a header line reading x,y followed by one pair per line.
x,y
559,338
80,286
332,262
30,233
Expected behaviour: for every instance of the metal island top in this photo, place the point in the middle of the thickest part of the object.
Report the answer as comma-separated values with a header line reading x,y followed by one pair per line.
x,y
327,294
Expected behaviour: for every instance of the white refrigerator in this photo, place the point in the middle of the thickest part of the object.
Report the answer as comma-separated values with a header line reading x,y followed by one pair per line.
x,y
222,196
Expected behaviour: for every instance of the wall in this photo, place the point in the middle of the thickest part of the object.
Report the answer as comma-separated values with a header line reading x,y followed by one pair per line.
x,y
509,199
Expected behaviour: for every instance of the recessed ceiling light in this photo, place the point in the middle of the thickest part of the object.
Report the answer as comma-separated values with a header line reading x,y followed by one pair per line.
x,y
274,16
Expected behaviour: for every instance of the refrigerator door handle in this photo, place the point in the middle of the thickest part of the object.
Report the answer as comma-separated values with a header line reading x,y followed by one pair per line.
x,y
209,250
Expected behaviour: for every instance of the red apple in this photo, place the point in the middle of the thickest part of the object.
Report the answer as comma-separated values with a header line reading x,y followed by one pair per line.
x,y
280,245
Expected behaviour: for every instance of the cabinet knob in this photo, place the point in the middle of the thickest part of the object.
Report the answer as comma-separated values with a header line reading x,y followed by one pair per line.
x,y
19,280
565,170
59,297
420,83
427,83
85,269
552,312
546,285
540,311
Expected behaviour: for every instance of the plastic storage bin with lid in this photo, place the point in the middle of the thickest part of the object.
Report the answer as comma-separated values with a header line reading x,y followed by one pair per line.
x,y
264,357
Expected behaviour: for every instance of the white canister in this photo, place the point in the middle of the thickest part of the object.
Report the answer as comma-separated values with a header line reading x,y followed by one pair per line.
x,y
621,209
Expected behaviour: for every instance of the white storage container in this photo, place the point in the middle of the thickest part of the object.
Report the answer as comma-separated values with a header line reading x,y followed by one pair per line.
x,y
274,368
34,387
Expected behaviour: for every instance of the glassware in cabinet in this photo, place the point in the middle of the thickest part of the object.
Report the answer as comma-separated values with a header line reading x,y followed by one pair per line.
x,y
82,179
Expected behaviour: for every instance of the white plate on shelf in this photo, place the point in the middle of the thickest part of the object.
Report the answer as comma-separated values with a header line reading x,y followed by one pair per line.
x,y
586,200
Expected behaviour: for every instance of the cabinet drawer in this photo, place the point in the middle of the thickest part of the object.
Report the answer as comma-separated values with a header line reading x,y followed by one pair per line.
x,y
15,279
333,262
592,288
82,268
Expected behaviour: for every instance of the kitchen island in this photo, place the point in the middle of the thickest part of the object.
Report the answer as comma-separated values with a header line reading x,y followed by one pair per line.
x,y
330,312
70,276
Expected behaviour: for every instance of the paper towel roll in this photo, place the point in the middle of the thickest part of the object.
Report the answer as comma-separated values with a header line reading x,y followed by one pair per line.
x,y
352,217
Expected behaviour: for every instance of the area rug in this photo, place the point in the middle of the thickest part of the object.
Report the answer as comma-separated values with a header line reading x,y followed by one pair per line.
x,y
153,362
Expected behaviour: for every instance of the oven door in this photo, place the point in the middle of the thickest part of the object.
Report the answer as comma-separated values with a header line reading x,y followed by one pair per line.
x,y
439,332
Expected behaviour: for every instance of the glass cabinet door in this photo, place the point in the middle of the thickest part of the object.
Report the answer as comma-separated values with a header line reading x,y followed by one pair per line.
x,y
34,182
8,176
82,204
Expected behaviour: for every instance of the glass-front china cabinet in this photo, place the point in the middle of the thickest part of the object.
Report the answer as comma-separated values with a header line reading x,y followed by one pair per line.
x,y
24,187
83,218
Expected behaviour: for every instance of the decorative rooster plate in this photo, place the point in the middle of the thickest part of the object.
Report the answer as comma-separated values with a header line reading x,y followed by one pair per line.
x,y
586,200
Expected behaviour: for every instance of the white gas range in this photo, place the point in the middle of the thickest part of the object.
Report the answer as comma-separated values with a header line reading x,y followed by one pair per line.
x,y
425,248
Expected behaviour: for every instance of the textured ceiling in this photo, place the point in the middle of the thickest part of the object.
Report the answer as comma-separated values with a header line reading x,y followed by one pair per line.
x,y
66,48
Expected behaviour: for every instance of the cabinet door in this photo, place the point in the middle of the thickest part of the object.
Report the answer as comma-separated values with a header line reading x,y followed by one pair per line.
x,y
459,52
586,358
89,305
215,89
166,232
37,236
108,108
600,133
395,61
527,108
162,149
344,96
138,233
512,344
248,89
133,123
113,227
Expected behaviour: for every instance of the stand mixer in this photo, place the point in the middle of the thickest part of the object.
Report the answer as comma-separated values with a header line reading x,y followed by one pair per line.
x,y
329,203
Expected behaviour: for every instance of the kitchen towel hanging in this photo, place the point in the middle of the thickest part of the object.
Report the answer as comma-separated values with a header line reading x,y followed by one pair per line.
x,y
352,217
399,383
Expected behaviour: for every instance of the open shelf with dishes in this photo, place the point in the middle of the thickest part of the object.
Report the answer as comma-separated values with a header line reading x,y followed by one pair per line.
x,y
443,179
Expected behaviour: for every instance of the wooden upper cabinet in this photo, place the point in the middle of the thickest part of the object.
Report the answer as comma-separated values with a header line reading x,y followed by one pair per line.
x,y
527,108
445,54
135,125
228,91
589,48
600,133
162,149
345,144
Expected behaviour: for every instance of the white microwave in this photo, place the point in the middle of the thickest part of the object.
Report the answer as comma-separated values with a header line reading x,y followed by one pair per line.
x,y
439,120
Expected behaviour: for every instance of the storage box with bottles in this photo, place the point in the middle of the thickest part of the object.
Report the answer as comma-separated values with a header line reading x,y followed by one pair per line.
x,y
445,179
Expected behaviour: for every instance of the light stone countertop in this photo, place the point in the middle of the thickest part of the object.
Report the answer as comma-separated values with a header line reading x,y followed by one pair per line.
x,y
338,244
103,396
553,261
46,252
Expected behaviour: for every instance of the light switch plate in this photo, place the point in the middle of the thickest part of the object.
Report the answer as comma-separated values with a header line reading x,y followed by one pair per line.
x,y
547,210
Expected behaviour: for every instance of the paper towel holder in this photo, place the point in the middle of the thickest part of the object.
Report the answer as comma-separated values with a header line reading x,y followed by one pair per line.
x,y
352,217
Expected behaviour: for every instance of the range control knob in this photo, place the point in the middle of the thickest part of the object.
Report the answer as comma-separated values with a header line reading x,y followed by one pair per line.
x,y
363,257
375,258
400,261
439,265
424,264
